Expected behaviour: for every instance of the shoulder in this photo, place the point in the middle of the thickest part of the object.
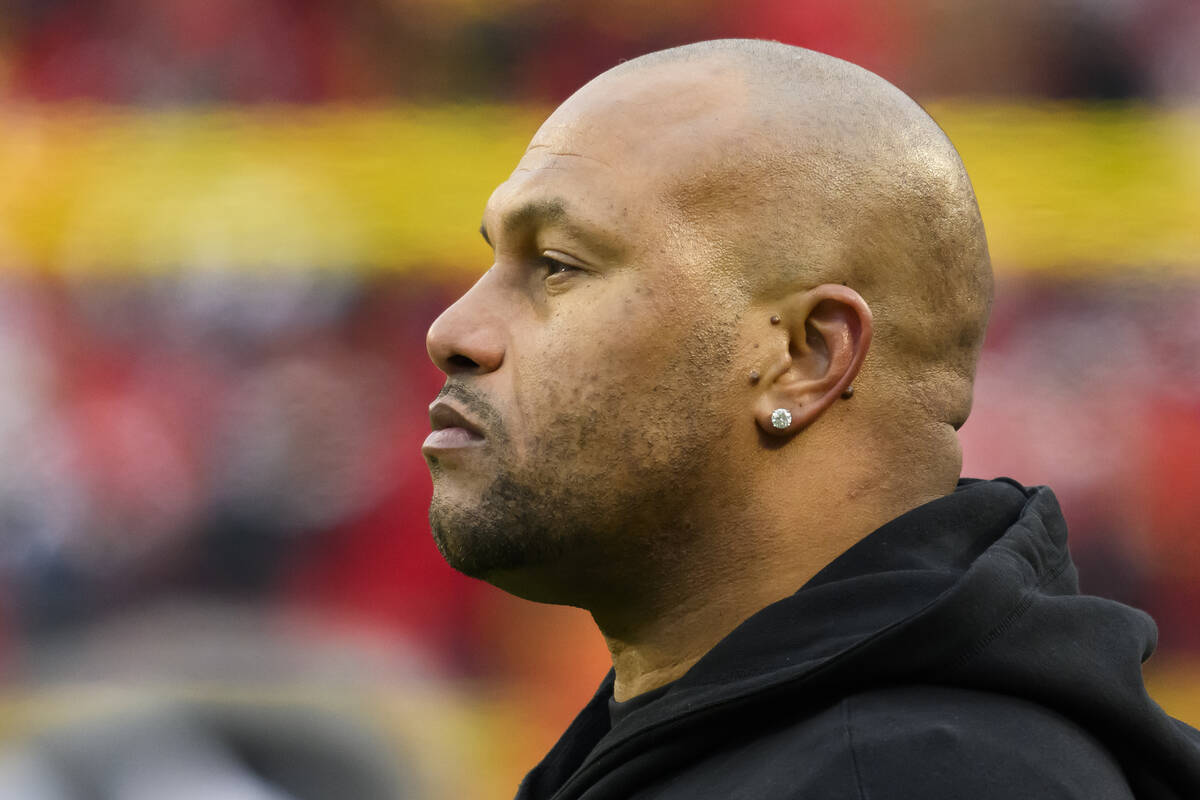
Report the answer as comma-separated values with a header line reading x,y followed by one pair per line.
x,y
935,742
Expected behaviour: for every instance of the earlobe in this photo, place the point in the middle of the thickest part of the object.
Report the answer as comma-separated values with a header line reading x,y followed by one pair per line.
x,y
828,332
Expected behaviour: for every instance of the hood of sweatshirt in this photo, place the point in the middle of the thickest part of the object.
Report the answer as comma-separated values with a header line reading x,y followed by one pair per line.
x,y
973,590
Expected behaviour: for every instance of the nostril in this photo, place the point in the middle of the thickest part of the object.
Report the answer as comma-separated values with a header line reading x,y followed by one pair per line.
x,y
461,362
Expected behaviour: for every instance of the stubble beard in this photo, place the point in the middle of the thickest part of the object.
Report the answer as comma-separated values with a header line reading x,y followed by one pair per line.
x,y
513,525
597,493
549,501
588,516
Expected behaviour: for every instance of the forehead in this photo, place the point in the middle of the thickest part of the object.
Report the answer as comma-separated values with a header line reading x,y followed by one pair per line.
x,y
615,150
649,113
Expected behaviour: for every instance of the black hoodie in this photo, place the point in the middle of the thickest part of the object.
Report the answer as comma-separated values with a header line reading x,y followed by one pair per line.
x,y
947,655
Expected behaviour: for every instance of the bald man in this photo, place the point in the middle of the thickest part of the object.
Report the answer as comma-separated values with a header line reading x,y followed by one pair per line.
x,y
709,391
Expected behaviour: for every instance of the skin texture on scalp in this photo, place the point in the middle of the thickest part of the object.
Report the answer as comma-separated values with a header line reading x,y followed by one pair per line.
x,y
839,177
682,221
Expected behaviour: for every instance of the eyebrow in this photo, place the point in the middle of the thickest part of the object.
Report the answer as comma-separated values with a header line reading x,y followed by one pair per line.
x,y
552,212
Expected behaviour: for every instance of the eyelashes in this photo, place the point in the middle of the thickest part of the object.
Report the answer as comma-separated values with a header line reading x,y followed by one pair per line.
x,y
558,263
555,266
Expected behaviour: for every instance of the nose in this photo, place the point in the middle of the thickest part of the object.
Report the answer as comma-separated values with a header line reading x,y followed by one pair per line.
x,y
468,337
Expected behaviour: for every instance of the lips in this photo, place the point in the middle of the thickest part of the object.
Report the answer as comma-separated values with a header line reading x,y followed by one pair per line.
x,y
451,429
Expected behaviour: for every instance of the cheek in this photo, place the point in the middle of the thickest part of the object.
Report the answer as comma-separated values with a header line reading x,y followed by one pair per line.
x,y
610,392
623,347
616,329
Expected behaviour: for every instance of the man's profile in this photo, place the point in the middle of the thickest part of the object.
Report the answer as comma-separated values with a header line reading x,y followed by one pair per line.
x,y
709,391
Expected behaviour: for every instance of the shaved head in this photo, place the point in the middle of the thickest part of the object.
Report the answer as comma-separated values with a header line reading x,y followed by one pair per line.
x,y
812,170
695,257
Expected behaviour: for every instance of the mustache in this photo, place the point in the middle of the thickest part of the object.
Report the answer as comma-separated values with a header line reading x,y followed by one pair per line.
x,y
476,404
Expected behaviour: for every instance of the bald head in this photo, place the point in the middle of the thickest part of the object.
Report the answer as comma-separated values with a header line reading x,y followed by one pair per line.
x,y
646,410
786,169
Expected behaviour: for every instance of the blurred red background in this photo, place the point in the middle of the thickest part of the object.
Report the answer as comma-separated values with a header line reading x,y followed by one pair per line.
x,y
228,225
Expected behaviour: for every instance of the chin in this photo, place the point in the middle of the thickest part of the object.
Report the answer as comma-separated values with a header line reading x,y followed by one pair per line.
x,y
540,584
524,560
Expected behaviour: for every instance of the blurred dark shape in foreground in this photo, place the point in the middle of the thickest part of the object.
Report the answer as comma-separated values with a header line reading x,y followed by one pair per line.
x,y
206,751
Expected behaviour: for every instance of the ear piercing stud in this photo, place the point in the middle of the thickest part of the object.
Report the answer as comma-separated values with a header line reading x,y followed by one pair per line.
x,y
848,393
781,418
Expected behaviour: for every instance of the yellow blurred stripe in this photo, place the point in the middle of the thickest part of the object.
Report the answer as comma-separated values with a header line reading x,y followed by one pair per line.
x,y
89,190
1062,188
1078,189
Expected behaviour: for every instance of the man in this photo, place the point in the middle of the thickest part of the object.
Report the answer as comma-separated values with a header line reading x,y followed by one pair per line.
x,y
709,391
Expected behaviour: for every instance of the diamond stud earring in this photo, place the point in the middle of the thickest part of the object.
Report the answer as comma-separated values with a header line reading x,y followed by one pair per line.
x,y
781,418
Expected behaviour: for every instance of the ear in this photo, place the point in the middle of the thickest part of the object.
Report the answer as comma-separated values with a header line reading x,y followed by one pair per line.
x,y
817,346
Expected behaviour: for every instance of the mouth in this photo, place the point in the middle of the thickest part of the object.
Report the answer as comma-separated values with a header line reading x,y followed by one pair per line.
x,y
451,430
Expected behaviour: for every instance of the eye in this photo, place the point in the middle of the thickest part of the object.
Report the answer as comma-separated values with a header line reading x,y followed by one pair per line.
x,y
556,264
555,267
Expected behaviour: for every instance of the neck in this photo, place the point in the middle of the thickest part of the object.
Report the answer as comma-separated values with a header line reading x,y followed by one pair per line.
x,y
667,642
746,560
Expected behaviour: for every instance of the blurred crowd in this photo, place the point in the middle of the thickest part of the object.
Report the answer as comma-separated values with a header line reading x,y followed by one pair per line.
x,y
1094,389
214,471
249,439
189,52
252,441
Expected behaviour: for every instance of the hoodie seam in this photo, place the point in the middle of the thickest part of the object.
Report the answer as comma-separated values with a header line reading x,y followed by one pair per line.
x,y
1010,619
858,782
